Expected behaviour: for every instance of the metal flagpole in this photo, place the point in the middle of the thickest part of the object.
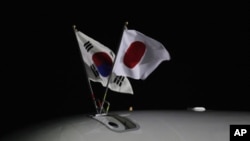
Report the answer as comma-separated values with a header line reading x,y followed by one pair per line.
x,y
106,91
90,87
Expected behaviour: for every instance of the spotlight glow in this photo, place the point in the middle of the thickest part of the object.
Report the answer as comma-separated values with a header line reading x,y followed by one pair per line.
x,y
199,109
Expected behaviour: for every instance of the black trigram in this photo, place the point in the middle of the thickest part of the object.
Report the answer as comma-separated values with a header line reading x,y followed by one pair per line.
x,y
111,53
88,46
118,80
95,72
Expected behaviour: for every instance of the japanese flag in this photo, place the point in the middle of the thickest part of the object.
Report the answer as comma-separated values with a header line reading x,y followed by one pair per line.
x,y
139,55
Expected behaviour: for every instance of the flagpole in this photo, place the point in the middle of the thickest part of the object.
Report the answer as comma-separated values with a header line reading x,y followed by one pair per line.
x,y
106,90
90,87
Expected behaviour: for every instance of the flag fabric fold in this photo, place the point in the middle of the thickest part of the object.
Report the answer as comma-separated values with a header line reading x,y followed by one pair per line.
x,y
98,60
139,55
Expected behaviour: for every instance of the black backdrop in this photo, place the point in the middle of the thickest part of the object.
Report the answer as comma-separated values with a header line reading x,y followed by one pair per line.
x,y
43,76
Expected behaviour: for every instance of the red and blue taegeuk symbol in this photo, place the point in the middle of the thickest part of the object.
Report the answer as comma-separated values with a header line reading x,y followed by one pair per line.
x,y
103,62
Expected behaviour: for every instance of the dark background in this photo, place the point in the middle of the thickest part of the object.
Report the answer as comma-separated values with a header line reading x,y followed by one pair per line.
x,y
43,76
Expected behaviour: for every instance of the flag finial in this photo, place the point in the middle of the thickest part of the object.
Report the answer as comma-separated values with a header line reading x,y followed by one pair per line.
x,y
126,24
74,27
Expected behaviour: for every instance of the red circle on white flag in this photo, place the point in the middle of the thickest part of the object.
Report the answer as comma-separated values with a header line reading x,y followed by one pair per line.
x,y
134,54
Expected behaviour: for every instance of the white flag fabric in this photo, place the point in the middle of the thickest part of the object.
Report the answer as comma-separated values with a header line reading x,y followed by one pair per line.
x,y
139,55
98,61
